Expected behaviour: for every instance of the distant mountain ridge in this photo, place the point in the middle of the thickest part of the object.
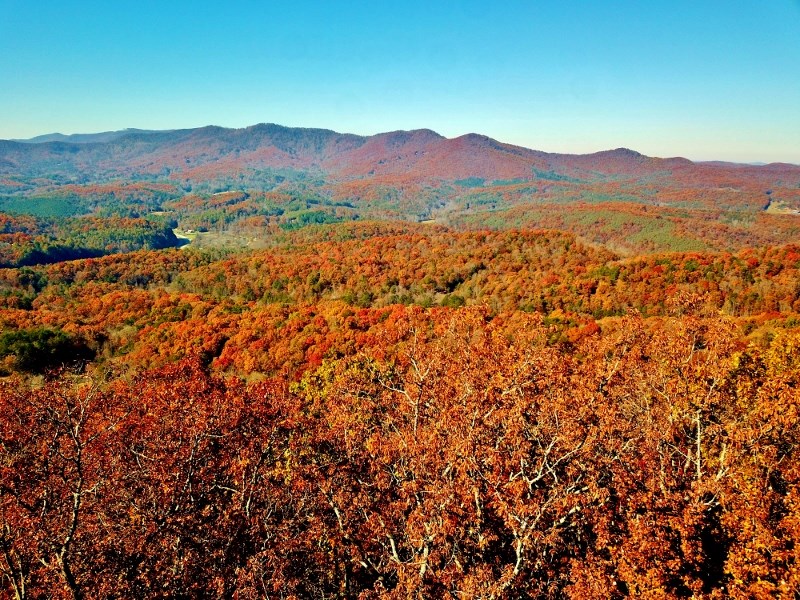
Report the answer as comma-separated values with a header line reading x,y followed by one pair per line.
x,y
83,138
208,152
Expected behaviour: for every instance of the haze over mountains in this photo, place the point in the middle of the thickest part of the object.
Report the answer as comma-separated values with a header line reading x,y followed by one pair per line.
x,y
83,138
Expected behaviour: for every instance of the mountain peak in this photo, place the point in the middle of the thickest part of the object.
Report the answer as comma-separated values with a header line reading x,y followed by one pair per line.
x,y
622,153
402,137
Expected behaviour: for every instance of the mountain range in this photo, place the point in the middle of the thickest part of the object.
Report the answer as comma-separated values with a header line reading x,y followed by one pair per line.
x,y
209,152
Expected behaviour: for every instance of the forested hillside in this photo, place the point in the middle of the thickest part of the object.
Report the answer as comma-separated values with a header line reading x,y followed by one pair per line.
x,y
391,367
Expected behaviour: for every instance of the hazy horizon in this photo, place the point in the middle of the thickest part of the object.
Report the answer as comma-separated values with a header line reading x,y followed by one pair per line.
x,y
706,81
141,129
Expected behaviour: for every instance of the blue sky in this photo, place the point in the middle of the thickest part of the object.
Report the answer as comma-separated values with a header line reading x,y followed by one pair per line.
x,y
706,79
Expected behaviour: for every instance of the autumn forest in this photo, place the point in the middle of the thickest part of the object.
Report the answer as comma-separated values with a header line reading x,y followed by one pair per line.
x,y
291,363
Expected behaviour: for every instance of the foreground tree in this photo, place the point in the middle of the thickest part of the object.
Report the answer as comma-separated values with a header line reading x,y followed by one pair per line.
x,y
458,454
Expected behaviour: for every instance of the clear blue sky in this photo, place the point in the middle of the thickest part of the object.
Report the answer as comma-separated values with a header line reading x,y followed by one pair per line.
x,y
707,79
